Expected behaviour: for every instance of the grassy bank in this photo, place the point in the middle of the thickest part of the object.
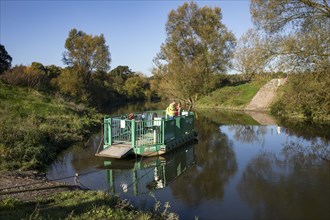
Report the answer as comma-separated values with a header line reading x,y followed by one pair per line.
x,y
79,205
35,127
231,97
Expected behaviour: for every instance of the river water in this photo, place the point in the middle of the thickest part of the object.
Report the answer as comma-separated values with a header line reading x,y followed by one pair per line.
x,y
244,166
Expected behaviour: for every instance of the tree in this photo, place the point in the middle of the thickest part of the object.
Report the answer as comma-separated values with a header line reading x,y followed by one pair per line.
x,y
38,66
253,53
134,87
197,47
303,27
53,71
5,59
123,72
118,77
275,15
86,53
71,84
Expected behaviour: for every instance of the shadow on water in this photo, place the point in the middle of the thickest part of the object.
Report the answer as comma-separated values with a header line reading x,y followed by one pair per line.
x,y
244,166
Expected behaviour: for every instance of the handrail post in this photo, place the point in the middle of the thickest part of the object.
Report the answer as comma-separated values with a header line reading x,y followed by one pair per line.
x,y
110,130
133,132
105,124
163,131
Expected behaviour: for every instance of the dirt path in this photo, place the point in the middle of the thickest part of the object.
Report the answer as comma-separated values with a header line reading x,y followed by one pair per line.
x,y
265,96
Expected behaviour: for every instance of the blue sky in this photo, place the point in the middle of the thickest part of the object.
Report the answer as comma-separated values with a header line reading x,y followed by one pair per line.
x,y
134,30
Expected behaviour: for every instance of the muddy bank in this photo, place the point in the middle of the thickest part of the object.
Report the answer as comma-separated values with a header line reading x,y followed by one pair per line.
x,y
28,186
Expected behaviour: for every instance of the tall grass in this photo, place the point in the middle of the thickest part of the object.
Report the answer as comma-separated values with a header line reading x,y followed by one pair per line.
x,y
34,127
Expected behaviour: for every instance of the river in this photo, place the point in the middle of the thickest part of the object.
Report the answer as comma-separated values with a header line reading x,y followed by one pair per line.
x,y
244,166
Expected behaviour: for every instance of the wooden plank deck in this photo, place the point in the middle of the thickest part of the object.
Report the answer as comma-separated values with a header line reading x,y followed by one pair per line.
x,y
115,151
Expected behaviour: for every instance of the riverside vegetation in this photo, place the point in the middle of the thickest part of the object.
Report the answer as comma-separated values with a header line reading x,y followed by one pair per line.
x,y
304,96
43,109
35,127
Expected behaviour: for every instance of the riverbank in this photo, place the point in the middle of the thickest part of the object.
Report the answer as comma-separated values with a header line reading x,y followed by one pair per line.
x,y
28,186
35,127
28,195
302,96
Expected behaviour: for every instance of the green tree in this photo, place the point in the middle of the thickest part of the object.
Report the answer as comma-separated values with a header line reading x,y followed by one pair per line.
x,y
5,59
302,26
70,83
123,72
197,47
38,66
87,53
118,77
53,71
134,87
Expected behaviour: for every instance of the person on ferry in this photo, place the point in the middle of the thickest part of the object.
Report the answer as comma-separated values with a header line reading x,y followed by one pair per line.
x,y
178,109
171,110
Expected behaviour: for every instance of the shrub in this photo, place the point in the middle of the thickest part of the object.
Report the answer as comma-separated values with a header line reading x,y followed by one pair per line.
x,y
307,95
26,77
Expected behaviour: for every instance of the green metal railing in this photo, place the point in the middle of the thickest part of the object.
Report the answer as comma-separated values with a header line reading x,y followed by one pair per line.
x,y
145,128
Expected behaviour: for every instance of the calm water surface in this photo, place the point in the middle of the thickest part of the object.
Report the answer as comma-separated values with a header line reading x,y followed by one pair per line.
x,y
238,169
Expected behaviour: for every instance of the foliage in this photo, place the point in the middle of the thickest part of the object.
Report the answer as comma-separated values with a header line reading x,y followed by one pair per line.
x,y
118,77
78,205
231,97
87,53
26,77
274,16
35,127
50,71
101,92
305,95
70,83
128,84
253,53
36,76
134,87
197,47
302,27
123,72
5,59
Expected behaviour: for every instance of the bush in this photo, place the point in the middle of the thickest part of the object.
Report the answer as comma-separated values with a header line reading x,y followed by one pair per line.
x,y
305,95
26,77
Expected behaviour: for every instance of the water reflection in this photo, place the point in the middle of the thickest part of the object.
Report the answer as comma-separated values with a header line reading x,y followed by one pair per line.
x,y
277,188
216,164
248,133
243,167
143,175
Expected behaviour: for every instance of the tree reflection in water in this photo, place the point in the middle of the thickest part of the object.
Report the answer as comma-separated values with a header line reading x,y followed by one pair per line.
x,y
216,164
248,133
285,186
